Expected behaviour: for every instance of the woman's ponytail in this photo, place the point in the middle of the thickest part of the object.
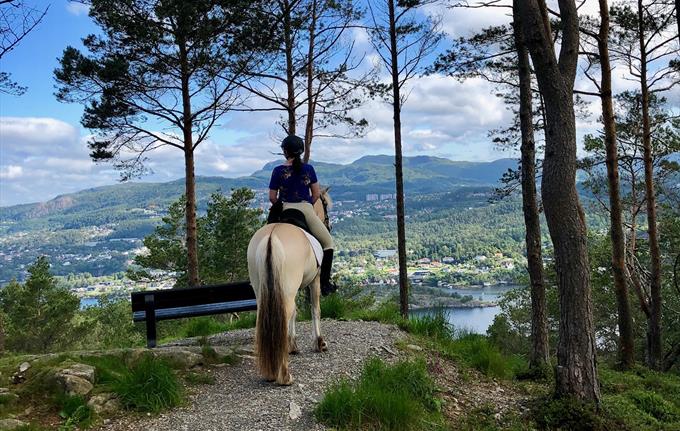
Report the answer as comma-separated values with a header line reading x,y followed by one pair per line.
x,y
297,164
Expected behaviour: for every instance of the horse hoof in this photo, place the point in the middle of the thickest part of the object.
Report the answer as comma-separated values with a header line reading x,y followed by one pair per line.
x,y
321,345
287,381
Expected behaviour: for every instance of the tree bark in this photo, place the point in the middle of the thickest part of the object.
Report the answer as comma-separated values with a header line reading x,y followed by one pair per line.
x,y
311,100
576,373
654,348
290,78
190,181
625,320
540,353
398,167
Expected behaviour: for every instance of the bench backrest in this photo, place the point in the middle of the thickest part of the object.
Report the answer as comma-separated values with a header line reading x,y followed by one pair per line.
x,y
191,296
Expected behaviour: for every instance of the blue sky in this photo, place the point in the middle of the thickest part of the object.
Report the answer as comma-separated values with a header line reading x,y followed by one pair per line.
x,y
43,149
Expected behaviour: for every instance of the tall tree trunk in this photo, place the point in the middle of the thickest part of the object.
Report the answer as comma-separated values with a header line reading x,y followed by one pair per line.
x,y
399,174
540,353
190,181
654,348
576,373
290,78
311,100
625,320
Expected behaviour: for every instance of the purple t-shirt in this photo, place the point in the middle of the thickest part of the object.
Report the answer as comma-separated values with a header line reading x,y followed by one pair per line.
x,y
293,187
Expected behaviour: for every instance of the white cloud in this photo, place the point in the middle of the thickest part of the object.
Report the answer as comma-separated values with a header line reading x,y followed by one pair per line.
x,y
77,8
10,172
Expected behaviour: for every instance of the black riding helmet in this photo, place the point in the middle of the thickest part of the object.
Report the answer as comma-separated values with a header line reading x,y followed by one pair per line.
x,y
293,145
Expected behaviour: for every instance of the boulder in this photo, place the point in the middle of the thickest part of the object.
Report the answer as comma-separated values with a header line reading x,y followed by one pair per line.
x,y
24,367
83,371
11,424
76,379
73,385
104,404
178,357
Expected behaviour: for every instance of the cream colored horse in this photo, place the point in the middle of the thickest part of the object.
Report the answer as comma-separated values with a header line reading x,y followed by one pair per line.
x,y
280,262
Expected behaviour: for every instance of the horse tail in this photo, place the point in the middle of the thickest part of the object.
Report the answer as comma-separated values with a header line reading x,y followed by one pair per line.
x,y
272,327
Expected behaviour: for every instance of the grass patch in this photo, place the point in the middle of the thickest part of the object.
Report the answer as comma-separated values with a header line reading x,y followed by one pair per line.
x,y
76,413
196,378
435,326
479,353
148,386
570,414
386,397
387,312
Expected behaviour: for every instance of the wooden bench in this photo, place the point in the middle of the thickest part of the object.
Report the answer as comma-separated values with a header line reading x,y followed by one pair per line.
x,y
154,305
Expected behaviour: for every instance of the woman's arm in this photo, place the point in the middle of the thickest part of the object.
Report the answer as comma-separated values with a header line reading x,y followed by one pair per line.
x,y
273,196
316,192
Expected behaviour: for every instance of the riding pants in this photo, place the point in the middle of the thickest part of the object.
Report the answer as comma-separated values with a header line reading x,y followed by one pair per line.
x,y
315,224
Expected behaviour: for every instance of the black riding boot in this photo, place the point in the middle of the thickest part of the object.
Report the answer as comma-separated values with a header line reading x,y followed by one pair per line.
x,y
327,286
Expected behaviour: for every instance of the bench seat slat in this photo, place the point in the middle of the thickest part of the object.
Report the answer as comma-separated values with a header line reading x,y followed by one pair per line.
x,y
198,310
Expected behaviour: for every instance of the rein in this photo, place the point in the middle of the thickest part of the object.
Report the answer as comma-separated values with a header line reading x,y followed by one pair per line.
x,y
326,219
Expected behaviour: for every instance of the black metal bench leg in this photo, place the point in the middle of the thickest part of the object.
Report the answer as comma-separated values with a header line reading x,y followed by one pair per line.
x,y
150,321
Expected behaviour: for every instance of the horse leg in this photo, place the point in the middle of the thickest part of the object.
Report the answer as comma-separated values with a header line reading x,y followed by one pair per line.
x,y
292,338
315,290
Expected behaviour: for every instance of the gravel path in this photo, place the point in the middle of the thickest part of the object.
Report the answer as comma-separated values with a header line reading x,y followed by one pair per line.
x,y
241,400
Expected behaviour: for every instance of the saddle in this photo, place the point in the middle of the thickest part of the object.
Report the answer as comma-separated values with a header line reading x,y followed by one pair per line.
x,y
295,217
290,216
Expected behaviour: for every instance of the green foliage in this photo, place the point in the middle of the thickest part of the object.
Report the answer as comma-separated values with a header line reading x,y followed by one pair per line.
x,y
38,314
386,397
478,352
435,326
228,220
148,386
196,378
333,307
108,325
569,414
76,413
641,399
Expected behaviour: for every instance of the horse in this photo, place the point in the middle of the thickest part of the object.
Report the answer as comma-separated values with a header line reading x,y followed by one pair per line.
x,y
280,262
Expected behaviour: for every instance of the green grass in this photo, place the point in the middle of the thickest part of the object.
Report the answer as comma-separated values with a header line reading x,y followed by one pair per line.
x,y
435,326
148,386
196,378
641,399
76,413
386,397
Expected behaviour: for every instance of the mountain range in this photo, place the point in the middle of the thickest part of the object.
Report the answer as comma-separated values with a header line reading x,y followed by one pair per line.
x,y
369,174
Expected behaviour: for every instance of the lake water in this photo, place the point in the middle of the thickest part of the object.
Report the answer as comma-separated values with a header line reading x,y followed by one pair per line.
x,y
474,319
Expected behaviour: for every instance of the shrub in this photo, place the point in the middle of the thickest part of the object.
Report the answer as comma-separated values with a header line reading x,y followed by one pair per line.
x,y
333,307
655,405
202,326
569,414
478,352
435,325
396,397
148,386
76,413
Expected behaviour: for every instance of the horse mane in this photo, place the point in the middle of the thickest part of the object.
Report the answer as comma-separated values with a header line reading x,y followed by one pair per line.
x,y
327,197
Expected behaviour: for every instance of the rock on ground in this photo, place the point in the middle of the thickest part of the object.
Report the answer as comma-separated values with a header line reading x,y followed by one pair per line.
x,y
11,424
242,400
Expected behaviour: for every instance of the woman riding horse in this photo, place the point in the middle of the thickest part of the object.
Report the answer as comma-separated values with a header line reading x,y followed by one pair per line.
x,y
294,183
281,260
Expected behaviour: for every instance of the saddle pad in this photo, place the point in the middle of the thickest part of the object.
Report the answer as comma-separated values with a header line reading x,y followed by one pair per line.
x,y
316,246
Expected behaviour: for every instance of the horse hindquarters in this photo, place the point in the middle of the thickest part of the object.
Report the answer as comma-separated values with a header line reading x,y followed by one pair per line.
x,y
272,326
